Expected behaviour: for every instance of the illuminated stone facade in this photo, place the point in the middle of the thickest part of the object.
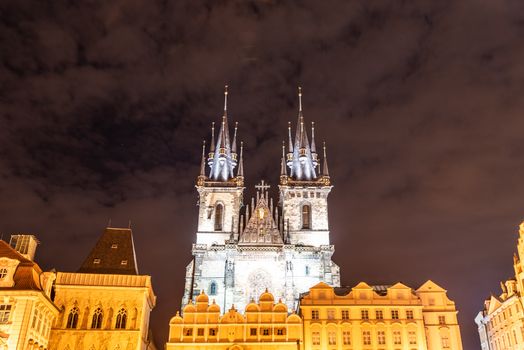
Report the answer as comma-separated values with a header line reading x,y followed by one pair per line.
x,y
242,249
262,325
379,317
26,309
501,322
106,305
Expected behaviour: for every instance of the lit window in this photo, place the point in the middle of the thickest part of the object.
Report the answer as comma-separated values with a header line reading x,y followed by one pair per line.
x,y
381,337
72,318
394,314
442,320
96,322
444,341
114,246
123,262
409,314
379,315
3,273
5,312
397,338
364,314
314,315
346,337
412,336
345,314
366,337
332,338
306,216
219,213
315,338
121,319
96,261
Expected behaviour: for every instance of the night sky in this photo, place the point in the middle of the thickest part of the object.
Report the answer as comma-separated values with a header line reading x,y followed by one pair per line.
x,y
104,105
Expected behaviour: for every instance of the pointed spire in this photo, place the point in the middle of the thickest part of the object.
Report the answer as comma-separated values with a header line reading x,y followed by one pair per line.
x,y
225,99
203,162
325,170
234,144
240,171
290,147
300,99
283,169
313,146
212,146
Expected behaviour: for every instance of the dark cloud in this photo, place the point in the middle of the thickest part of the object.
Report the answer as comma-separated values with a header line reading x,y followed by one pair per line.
x,y
104,106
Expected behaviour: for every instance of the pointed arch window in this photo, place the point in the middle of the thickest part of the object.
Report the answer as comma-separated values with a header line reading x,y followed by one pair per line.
x,y
121,319
213,288
72,318
306,216
96,322
219,216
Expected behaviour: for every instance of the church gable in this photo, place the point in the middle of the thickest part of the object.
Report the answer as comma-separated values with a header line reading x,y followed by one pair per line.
x,y
261,227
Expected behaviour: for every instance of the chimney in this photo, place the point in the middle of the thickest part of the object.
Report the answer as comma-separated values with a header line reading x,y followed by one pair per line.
x,y
25,245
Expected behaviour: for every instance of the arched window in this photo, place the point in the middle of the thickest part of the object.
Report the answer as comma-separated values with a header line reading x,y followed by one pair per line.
x,y
213,288
306,216
96,322
121,319
219,213
72,319
307,270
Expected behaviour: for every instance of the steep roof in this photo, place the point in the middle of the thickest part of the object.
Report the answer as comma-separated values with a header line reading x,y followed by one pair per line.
x,y
114,253
27,274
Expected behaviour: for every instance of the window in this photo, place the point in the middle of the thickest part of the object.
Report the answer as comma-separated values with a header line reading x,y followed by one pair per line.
x,y
394,314
123,262
442,320
409,314
96,322
307,270
381,336
253,331
397,338
332,338
121,319
3,273
364,314
444,341
314,315
280,331
265,331
213,288
5,312
96,261
306,216
212,331
331,314
188,332
200,332
412,337
346,337
114,246
72,319
315,338
366,337
345,314
219,213
379,315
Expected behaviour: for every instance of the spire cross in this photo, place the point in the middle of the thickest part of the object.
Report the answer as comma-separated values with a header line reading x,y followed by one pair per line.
x,y
262,186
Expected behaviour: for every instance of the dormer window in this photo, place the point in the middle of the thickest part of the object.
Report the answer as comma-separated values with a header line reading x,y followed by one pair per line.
x,y
114,246
306,217
123,262
96,261
3,273
5,312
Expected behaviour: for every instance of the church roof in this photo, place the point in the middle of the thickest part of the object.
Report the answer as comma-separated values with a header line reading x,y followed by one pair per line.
x,y
114,253
27,274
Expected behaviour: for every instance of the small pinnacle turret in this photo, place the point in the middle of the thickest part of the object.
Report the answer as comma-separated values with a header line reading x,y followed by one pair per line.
x,y
325,170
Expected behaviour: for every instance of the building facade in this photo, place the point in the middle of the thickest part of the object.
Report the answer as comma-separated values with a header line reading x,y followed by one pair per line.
x,y
26,309
263,325
242,250
107,303
501,322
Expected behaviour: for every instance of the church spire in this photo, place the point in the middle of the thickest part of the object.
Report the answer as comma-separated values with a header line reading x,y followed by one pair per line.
x,y
325,170
203,162
283,170
240,172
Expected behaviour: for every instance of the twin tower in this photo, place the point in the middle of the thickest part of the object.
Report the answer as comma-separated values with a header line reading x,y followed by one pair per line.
x,y
242,250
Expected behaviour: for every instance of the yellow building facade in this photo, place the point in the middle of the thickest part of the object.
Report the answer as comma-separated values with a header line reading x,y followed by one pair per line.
x,y
106,304
26,309
263,325
501,322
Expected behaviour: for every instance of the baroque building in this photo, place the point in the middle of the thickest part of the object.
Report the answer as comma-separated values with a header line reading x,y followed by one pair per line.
x,y
242,250
501,322
107,303
26,309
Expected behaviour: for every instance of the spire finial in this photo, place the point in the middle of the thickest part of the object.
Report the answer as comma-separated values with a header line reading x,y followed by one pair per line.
x,y
203,162
290,147
234,144
325,170
313,146
240,171
283,169
212,146
225,99
300,99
